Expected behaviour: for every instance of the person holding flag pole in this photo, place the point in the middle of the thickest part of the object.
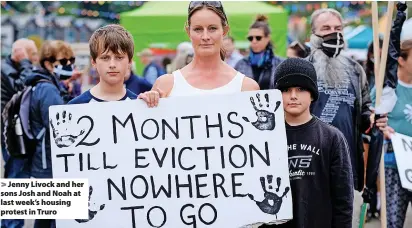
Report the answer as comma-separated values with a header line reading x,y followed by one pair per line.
x,y
385,96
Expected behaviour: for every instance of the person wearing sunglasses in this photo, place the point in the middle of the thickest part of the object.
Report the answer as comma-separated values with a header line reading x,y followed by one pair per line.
x,y
297,50
261,62
56,60
207,73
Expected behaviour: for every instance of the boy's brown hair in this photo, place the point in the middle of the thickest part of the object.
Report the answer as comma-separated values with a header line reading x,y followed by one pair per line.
x,y
113,38
50,50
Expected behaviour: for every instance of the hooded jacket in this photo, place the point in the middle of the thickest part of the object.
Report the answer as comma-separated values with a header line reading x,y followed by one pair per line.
x,y
44,95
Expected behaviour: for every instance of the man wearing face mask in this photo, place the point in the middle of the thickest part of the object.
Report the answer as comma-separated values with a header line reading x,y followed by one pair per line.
x,y
343,89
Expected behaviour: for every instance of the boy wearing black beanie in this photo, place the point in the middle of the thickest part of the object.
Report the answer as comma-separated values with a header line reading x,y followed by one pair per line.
x,y
319,167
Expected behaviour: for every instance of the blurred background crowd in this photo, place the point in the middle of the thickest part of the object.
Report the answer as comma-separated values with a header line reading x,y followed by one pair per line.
x,y
163,47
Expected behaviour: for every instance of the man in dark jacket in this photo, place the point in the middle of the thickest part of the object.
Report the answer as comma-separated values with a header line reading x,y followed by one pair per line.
x,y
343,89
15,68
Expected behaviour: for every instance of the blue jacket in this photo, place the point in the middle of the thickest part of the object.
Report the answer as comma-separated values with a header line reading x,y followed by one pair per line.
x,y
152,71
137,84
44,95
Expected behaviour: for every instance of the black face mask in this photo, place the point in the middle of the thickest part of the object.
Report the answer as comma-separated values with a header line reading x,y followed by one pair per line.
x,y
332,44
63,72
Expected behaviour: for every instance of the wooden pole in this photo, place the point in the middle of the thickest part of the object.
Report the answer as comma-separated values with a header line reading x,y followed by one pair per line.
x,y
375,26
379,84
382,65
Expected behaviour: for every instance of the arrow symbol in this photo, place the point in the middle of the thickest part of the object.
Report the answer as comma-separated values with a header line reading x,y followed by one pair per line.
x,y
3,184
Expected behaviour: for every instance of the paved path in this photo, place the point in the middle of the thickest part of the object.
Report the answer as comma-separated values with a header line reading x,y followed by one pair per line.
x,y
374,223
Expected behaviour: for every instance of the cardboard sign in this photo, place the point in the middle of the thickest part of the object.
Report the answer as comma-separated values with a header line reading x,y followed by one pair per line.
x,y
200,161
402,146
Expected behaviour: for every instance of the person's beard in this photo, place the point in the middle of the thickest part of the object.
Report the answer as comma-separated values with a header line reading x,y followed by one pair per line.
x,y
329,70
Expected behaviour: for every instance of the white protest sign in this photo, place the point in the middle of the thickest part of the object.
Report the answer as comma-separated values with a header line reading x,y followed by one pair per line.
x,y
402,147
200,161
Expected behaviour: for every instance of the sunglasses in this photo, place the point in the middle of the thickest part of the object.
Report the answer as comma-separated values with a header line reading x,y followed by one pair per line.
x,y
63,61
216,4
258,38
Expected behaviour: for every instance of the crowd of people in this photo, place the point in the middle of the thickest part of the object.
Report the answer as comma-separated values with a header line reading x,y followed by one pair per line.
x,y
328,100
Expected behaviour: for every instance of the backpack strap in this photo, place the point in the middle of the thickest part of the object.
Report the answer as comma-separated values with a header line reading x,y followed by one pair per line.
x,y
43,146
42,134
42,80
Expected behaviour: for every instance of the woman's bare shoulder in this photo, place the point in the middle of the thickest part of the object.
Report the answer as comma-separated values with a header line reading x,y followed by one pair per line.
x,y
164,83
249,84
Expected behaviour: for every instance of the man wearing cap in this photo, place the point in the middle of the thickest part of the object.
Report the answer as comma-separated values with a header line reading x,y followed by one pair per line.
x,y
319,166
152,70
343,89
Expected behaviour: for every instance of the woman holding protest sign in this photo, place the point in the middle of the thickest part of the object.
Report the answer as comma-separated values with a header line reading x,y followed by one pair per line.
x,y
206,27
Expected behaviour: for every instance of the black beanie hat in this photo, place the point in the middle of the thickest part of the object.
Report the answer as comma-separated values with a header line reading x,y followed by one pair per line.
x,y
297,72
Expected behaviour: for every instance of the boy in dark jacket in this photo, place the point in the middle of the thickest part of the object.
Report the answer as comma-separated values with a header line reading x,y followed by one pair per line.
x,y
320,171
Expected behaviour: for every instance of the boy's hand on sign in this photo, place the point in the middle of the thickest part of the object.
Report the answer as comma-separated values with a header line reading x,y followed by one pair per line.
x,y
151,97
